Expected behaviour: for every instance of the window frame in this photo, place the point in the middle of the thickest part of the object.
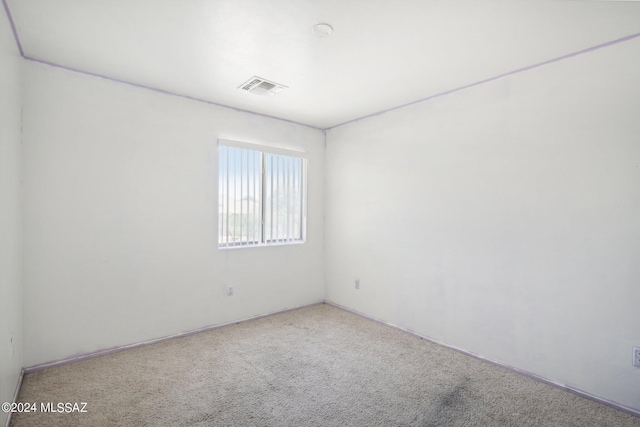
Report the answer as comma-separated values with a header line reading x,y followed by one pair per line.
x,y
264,150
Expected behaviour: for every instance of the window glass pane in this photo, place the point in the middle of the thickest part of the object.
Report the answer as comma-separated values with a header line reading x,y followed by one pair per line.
x,y
283,175
261,198
239,190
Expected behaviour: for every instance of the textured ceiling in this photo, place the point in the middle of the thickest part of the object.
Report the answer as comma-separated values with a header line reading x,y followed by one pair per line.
x,y
382,54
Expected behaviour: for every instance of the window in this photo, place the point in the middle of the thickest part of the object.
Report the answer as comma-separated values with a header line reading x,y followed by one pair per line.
x,y
261,195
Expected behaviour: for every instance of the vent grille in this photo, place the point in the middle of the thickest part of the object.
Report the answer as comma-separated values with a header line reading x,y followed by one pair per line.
x,y
253,82
261,86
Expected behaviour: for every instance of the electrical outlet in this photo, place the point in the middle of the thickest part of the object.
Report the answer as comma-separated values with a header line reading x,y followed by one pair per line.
x,y
229,291
636,356
357,283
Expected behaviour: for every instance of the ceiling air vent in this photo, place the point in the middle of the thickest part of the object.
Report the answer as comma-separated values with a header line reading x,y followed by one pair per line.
x,y
261,86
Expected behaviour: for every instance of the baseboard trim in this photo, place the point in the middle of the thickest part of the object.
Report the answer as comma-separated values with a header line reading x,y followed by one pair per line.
x,y
15,396
104,352
584,394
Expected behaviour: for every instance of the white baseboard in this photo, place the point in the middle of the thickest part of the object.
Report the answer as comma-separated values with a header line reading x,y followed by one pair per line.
x,y
103,352
584,394
39,367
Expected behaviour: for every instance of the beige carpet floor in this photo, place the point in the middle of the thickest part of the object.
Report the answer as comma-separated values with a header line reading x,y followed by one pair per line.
x,y
316,366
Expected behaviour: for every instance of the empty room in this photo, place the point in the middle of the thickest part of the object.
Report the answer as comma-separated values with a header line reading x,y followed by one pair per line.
x,y
319,213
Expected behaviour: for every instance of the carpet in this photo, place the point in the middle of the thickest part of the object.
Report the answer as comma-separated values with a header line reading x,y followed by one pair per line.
x,y
315,366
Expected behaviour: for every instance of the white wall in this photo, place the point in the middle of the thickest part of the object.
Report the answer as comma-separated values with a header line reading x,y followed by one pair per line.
x,y
10,214
503,219
121,217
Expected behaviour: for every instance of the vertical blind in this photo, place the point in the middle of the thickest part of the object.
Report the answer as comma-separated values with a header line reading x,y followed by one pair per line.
x,y
261,197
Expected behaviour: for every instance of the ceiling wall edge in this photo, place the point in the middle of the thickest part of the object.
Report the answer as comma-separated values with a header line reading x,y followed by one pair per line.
x,y
7,11
490,79
166,92
163,91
